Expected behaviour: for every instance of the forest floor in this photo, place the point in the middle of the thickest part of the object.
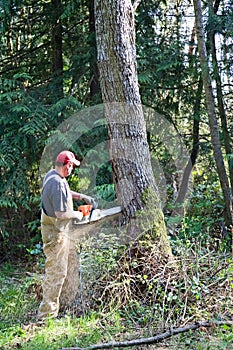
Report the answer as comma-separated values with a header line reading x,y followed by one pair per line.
x,y
20,295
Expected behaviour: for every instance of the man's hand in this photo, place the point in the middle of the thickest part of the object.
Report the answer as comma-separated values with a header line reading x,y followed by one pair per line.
x,y
78,215
88,199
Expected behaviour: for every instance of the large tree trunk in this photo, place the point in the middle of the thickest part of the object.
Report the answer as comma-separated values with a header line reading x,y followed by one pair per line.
x,y
213,124
133,176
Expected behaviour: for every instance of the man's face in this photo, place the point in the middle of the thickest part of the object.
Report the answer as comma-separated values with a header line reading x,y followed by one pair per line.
x,y
68,168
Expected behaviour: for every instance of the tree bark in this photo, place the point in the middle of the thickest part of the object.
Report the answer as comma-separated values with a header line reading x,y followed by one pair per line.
x,y
213,124
129,151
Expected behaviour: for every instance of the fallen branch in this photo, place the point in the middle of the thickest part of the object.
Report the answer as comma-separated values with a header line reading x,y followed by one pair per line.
x,y
152,340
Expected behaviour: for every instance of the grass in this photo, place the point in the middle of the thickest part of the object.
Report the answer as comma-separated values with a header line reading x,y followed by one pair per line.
x,y
52,335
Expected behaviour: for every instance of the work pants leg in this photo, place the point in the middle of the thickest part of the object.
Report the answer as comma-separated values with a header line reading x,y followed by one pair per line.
x,y
70,285
56,249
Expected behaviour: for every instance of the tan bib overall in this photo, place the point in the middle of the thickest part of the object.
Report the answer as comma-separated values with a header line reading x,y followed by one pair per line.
x,y
61,267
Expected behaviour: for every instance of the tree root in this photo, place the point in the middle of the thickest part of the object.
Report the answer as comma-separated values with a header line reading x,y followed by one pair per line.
x,y
155,339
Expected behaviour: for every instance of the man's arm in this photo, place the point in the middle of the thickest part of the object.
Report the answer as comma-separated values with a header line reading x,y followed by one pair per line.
x,y
87,199
69,214
76,195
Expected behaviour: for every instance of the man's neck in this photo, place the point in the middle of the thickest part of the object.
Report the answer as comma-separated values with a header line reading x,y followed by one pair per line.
x,y
60,171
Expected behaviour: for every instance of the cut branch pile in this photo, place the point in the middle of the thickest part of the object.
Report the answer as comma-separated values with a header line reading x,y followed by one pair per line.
x,y
174,296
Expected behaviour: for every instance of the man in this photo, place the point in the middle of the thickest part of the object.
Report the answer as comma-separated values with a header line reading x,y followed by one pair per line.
x,y
61,266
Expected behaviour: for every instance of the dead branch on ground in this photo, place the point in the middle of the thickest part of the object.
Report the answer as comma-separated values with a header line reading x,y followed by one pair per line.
x,y
155,339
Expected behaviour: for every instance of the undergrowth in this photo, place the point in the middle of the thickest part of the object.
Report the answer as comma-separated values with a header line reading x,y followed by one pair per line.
x,y
132,296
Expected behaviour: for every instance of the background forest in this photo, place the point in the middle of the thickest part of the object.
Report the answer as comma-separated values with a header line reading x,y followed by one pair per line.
x,y
49,72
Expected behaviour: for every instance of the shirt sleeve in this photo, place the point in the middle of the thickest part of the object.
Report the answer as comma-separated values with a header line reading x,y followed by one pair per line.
x,y
60,197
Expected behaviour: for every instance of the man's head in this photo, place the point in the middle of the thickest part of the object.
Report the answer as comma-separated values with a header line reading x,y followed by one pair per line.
x,y
65,161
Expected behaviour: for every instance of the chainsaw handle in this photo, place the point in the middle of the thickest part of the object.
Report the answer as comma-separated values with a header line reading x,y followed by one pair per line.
x,y
94,203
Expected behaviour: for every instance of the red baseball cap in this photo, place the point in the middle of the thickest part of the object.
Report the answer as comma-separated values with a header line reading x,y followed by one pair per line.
x,y
67,156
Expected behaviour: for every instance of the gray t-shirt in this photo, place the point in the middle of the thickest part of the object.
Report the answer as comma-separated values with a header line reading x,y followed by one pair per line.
x,y
55,193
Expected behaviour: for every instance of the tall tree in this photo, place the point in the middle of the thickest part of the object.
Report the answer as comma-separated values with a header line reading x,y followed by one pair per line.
x,y
212,31
132,170
57,60
210,105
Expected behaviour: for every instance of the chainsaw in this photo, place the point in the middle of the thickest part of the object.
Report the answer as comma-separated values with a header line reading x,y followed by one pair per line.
x,y
92,214
88,209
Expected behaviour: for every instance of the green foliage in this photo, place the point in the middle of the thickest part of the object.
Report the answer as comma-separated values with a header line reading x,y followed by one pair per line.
x,y
105,194
16,303
203,217
36,250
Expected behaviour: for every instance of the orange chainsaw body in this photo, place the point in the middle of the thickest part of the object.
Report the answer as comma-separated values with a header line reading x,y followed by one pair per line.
x,y
86,210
